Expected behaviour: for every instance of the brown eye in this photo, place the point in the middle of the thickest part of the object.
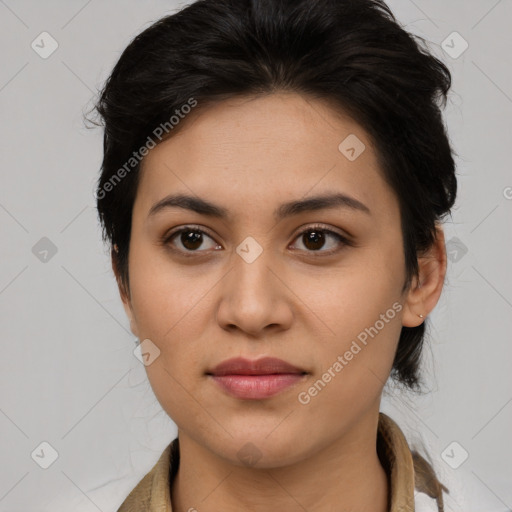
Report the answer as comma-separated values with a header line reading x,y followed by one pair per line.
x,y
189,239
316,238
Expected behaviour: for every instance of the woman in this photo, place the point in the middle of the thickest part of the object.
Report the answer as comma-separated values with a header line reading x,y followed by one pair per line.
x,y
274,179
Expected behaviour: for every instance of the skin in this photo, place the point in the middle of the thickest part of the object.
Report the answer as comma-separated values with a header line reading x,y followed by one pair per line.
x,y
249,155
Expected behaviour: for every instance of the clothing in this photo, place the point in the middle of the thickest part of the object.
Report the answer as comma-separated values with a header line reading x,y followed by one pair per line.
x,y
413,487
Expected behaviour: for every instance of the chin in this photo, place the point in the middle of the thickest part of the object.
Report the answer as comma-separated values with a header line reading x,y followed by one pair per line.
x,y
259,449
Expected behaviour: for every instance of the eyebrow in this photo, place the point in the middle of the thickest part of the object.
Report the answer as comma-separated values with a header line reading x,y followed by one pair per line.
x,y
203,207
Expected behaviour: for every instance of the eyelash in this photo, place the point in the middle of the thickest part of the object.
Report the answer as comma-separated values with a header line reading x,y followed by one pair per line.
x,y
316,227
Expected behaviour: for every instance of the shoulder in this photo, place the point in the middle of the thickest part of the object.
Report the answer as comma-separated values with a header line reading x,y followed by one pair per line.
x,y
152,491
428,490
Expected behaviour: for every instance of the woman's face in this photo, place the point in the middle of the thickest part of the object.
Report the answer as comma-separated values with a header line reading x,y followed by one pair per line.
x,y
253,285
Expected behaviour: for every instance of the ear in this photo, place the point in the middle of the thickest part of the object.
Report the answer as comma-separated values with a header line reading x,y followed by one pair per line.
x,y
425,290
124,294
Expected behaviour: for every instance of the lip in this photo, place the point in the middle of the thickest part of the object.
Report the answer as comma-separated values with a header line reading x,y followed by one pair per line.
x,y
256,380
263,366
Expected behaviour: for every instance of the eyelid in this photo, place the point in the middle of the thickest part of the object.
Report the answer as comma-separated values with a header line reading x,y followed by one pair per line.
x,y
344,238
166,238
323,227
187,227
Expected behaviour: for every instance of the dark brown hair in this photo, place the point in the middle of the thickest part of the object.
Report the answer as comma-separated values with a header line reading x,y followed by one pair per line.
x,y
352,53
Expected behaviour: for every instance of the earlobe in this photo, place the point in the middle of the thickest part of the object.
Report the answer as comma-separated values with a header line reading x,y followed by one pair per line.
x,y
426,289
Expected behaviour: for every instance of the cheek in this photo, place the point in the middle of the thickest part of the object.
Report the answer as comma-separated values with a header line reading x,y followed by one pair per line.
x,y
366,325
361,303
339,311
352,296
354,363
165,296
170,309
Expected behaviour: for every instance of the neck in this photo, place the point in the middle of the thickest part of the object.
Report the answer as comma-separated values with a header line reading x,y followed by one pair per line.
x,y
344,475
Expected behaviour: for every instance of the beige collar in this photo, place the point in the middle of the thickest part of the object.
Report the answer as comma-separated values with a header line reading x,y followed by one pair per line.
x,y
152,493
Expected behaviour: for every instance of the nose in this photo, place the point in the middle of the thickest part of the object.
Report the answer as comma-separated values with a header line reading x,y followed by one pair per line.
x,y
255,298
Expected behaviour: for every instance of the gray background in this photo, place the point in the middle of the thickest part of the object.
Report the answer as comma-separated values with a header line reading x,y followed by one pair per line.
x,y
68,375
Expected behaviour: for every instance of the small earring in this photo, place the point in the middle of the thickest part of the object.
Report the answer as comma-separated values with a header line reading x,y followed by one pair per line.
x,y
421,316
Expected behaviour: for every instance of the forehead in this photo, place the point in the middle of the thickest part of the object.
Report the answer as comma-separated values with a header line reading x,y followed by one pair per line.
x,y
262,149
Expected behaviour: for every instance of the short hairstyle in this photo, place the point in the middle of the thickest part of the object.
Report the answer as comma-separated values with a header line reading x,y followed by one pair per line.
x,y
352,53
